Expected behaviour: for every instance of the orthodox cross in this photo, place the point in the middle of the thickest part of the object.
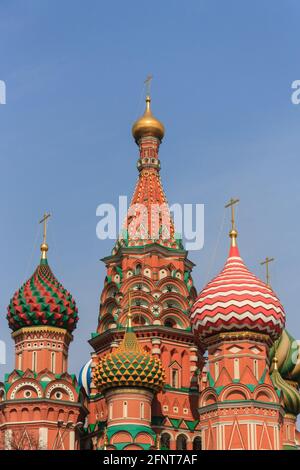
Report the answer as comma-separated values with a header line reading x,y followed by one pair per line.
x,y
44,221
148,84
266,262
231,204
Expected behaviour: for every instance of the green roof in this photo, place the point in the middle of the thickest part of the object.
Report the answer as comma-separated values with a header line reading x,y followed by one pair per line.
x,y
132,429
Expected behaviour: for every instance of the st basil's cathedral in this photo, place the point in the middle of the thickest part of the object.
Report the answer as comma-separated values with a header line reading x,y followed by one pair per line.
x,y
170,369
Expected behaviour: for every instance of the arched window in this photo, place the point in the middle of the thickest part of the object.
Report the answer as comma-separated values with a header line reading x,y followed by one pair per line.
x,y
197,444
142,409
181,442
138,269
34,361
110,414
125,409
53,362
170,323
165,441
175,378
138,320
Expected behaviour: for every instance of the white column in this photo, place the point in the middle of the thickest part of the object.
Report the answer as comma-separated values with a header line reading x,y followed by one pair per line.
x,y
7,439
71,440
43,438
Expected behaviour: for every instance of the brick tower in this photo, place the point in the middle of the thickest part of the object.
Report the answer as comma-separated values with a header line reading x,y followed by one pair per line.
x,y
148,260
128,378
238,317
41,406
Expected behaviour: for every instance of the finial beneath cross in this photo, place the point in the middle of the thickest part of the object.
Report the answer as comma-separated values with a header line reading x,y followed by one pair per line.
x,y
266,262
129,314
44,246
148,84
233,231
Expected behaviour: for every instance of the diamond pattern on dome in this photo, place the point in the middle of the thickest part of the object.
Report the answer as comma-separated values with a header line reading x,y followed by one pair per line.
x,y
42,301
129,366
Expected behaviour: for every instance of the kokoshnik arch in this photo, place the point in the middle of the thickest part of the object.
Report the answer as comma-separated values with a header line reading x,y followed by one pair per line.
x,y
148,383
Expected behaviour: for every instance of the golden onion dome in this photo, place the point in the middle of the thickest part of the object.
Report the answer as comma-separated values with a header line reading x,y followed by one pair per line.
x,y
148,125
129,366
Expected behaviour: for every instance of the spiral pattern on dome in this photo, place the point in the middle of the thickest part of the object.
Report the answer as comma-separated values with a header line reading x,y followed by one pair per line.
x,y
236,300
85,377
42,301
288,355
291,396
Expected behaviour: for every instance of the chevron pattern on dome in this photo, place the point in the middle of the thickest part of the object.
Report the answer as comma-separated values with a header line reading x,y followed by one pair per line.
x,y
42,301
129,366
236,300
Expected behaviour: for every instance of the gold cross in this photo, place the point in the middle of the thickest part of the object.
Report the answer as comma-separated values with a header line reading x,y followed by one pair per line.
x,y
267,261
148,84
44,221
231,204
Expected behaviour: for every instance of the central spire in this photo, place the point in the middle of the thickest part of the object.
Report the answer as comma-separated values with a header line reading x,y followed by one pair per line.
x,y
148,219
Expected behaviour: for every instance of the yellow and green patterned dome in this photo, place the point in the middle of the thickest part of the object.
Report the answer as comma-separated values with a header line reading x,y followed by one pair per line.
x,y
129,366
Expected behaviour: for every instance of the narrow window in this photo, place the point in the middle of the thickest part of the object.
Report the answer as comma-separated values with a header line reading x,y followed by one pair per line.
x,y
34,361
110,411
142,410
53,362
255,368
236,369
20,362
216,370
125,409
175,378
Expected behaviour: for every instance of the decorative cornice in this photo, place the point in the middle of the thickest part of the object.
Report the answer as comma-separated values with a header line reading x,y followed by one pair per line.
x,y
39,329
146,249
149,331
238,336
239,404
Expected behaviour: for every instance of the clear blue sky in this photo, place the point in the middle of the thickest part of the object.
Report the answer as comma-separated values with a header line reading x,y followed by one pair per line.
x,y
74,72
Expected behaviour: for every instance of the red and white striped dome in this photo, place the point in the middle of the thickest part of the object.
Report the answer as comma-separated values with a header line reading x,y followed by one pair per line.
x,y
236,300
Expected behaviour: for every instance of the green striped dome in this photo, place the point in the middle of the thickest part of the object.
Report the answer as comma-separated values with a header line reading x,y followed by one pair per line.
x,y
291,396
288,355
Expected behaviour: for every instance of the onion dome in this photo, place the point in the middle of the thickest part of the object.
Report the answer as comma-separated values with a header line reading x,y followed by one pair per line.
x,y
291,396
85,377
288,356
236,300
42,300
148,125
129,366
